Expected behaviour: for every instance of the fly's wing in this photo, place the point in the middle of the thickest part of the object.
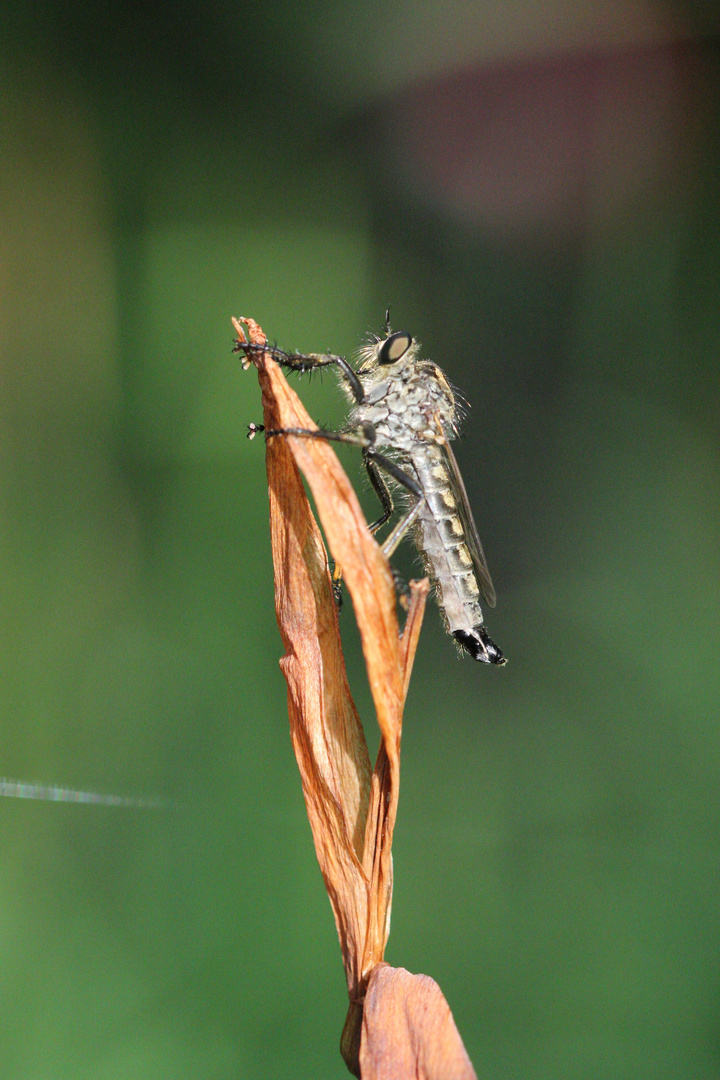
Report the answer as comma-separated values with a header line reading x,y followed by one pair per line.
x,y
471,534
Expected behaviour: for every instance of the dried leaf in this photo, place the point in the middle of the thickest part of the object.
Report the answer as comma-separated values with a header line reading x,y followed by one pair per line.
x,y
408,1032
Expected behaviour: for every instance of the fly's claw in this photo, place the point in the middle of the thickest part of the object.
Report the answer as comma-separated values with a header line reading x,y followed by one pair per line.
x,y
402,589
249,349
242,344
337,589
254,429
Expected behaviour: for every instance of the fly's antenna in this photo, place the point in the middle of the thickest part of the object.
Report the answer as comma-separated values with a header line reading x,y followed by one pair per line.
x,y
387,321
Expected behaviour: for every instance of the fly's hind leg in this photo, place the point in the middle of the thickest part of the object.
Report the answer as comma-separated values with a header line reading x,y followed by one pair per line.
x,y
385,496
381,490
401,530
364,437
393,470
374,462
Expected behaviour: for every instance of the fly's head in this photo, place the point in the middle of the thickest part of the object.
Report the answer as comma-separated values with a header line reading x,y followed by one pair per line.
x,y
391,368
390,353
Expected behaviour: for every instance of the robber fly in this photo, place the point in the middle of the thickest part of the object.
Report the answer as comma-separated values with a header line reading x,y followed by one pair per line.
x,y
404,406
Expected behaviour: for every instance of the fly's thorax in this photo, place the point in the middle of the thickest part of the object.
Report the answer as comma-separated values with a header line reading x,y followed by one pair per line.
x,y
407,404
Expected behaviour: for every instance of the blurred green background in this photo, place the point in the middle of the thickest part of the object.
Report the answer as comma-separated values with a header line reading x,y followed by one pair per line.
x,y
535,191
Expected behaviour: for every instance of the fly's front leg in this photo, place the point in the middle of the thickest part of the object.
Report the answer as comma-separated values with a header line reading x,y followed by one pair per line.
x,y
303,362
293,361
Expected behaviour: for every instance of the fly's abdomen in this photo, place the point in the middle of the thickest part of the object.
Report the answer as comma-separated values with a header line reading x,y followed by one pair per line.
x,y
441,539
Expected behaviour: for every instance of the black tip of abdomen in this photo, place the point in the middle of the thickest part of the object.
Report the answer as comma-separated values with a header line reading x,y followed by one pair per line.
x,y
480,646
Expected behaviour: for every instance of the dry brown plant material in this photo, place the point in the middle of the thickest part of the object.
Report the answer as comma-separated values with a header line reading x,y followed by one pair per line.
x,y
398,1025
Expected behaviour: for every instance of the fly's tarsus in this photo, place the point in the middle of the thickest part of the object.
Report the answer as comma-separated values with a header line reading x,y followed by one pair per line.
x,y
293,361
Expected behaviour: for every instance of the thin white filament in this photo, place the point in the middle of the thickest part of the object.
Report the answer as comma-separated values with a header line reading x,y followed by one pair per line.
x,y
22,789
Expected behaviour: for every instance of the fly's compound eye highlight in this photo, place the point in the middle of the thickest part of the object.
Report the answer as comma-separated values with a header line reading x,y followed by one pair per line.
x,y
394,347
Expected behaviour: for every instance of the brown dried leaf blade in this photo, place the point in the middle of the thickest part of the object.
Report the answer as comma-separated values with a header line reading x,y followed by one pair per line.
x,y
326,732
408,1032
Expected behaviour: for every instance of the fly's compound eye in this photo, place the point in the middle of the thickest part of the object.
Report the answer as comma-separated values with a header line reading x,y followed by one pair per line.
x,y
394,347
